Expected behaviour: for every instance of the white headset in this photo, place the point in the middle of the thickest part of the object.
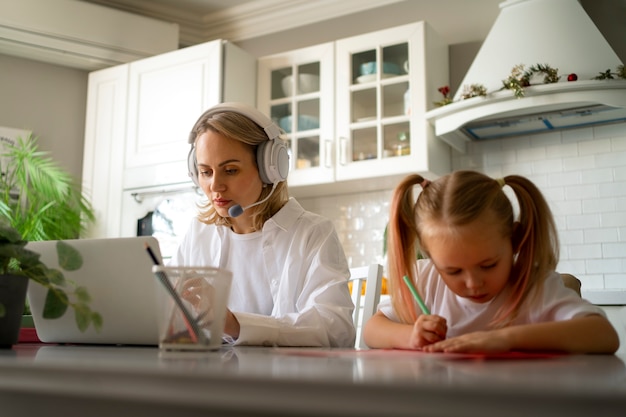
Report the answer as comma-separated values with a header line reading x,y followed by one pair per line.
x,y
272,156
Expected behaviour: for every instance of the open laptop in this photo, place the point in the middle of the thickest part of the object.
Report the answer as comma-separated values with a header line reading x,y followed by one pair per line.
x,y
117,273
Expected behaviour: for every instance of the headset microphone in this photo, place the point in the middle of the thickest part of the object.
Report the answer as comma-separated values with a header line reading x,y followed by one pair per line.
x,y
237,210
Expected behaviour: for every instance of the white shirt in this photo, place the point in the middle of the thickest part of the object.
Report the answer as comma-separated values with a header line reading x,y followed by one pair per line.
x,y
307,271
554,303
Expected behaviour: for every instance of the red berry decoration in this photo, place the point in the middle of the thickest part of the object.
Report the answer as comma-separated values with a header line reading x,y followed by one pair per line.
x,y
572,77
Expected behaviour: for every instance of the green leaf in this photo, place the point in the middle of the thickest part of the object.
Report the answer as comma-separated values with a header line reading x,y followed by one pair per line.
x,y
82,320
70,259
96,320
82,295
55,305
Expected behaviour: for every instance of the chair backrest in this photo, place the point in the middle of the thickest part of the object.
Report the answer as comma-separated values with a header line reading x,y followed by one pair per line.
x,y
572,282
365,305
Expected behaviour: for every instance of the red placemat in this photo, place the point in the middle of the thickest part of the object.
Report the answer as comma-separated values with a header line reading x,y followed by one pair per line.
x,y
28,335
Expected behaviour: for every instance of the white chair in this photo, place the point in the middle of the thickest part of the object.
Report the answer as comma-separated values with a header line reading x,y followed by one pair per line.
x,y
365,306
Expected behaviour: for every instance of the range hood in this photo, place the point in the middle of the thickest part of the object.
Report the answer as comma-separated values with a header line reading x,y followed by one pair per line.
x,y
557,33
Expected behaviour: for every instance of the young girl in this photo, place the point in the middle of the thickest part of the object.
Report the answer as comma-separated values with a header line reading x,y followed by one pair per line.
x,y
488,279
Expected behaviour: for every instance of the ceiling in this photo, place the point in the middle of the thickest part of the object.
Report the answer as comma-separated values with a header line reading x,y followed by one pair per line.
x,y
240,20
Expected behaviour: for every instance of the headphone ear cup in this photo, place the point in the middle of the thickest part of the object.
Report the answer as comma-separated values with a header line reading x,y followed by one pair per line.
x,y
192,165
273,161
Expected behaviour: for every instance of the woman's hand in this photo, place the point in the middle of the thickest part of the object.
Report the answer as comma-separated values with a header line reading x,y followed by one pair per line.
x,y
200,295
231,325
428,329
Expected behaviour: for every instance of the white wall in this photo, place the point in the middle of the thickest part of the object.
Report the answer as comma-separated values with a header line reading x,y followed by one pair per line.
x,y
582,173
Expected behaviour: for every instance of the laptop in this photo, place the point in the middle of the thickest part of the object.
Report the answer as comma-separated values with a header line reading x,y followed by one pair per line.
x,y
117,273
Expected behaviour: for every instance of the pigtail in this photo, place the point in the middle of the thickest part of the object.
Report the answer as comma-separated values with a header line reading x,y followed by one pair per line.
x,y
535,242
401,247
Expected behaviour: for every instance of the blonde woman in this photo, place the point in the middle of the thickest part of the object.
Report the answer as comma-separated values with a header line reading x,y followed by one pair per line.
x,y
289,269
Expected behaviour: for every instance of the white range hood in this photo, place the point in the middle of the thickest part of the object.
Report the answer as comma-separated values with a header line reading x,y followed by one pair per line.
x,y
557,33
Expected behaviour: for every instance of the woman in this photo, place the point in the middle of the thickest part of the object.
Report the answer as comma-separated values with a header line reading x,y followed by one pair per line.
x,y
289,269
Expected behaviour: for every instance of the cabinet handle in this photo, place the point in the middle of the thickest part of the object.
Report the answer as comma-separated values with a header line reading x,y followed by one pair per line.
x,y
328,154
343,151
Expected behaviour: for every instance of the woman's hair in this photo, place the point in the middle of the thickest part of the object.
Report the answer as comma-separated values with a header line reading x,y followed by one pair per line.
x,y
456,200
236,126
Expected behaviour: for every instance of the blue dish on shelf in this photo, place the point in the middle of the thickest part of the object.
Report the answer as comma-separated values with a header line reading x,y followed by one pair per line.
x,y
304,123
388,68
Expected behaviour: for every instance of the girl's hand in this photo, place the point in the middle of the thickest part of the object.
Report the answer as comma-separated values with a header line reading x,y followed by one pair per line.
x,y
486,341
428,329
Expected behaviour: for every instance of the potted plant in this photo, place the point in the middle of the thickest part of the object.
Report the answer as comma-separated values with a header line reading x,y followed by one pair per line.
x,y
18,264
40,201
37,197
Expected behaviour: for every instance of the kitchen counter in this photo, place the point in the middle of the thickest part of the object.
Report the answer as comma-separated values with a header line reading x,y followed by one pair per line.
x,y
108,380
605,297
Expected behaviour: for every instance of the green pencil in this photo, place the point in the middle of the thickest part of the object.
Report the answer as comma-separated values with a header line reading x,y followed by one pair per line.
x,y
416,295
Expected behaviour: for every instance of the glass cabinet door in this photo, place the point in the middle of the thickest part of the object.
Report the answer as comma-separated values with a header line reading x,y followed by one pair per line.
x,y
381,95
296,89
379,117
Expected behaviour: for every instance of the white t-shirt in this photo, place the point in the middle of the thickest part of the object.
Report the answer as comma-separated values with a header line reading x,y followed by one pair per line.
x,y
554,303
295,268
250,287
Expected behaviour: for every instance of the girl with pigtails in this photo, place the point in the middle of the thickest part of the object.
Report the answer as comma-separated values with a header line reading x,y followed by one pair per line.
x,y
487,281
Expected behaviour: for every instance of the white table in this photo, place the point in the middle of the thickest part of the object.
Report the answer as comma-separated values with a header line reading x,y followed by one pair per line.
x,y
64,380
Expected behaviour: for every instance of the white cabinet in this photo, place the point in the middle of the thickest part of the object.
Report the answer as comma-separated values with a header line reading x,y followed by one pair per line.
x,y
166,95
103,152
383,84
296,89
139,116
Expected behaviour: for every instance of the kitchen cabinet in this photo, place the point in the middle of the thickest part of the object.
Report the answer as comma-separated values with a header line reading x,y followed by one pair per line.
x,y
296,89
372,129
139,116
105,126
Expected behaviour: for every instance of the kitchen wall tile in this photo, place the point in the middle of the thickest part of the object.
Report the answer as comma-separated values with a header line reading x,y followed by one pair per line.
x,y
612,189
618,143
545,139
583,221
577,135
562,151
598,205
547,165
531,154
598,266
571,237
619,173
610,220
578,163
615,281
611,159
565,208
609,131
597,235
520,142
590,251
581,192
596,176
595,146
614,249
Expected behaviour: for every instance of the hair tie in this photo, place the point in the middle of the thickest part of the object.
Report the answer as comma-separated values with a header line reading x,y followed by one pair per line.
x,y
425,183
501,182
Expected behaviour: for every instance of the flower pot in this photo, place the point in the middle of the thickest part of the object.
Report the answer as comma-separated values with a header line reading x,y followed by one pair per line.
x,y
12,297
